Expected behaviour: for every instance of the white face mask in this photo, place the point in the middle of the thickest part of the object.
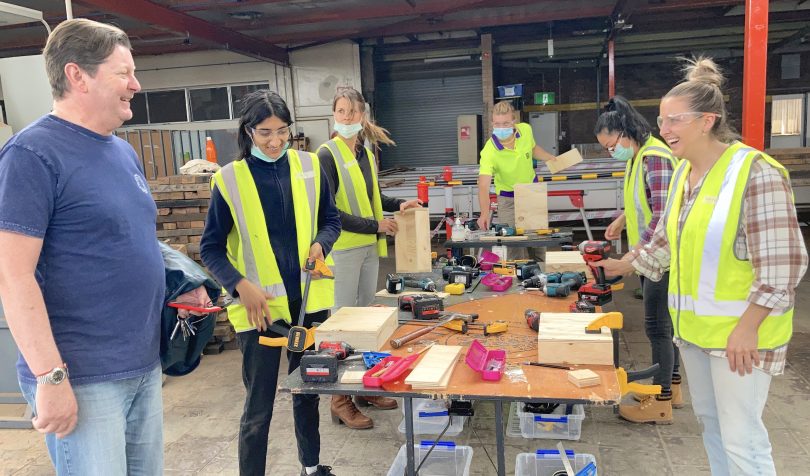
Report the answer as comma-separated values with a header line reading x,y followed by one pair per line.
x,y
348,130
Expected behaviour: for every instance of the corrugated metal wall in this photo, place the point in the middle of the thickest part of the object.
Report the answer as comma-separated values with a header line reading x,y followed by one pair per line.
x,y
421,116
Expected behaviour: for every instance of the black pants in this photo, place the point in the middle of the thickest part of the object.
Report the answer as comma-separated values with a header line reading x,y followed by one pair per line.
x,y
659,329
260,375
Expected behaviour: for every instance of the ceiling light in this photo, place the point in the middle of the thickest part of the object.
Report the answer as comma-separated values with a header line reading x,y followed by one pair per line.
x,y
246,15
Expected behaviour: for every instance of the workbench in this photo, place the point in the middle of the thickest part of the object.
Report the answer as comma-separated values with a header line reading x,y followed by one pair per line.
x,y
555,240
540,385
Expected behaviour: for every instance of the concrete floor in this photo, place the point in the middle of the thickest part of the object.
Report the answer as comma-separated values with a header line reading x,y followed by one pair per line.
x,y
201,415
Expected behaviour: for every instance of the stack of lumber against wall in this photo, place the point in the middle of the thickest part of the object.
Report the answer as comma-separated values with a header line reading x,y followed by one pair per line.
x,y
182,202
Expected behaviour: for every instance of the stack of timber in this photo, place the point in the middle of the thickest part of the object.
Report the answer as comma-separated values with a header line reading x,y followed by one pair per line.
x,y
797,161
182,202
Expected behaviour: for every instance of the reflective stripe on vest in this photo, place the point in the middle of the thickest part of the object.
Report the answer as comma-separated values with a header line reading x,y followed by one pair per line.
x,y
249,247
351,197
637,211
709,286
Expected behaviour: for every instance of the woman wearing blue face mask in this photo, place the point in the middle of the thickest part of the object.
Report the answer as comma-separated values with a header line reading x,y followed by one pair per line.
x,y
626,135
351,169
508,157
271,211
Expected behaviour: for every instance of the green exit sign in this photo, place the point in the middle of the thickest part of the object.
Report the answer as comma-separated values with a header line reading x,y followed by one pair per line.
x,y
543,98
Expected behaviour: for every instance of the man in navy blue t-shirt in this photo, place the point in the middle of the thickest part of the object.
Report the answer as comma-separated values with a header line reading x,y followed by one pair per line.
x,y
81,274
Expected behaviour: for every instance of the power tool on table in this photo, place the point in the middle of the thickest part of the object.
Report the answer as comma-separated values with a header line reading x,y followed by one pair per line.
x,y
532,319
526,270
425,284
464,326
447,270
555,284
422,306
322,365
582,306
394,283
599,292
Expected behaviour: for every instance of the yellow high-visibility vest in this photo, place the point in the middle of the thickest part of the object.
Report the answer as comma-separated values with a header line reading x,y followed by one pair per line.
x,y
248,244
351,196
637,211
708,284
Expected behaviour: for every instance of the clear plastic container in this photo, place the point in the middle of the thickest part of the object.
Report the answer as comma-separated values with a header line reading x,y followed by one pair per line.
x,y
446,459
556,425
548,462
430,417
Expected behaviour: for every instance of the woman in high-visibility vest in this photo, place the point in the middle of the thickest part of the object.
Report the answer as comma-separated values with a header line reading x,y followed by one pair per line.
x,y
731,240
627,136
351,169
271,211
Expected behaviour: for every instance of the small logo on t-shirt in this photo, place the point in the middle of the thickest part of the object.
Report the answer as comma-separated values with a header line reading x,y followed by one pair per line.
x,y
141,183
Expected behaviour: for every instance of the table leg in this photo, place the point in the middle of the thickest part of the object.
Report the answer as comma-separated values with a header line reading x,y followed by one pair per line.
x,y
410,467
499,437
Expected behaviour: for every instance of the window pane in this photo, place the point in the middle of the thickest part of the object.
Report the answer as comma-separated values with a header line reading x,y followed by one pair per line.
x,y
167,106
138,106
209,104
238,92
786,117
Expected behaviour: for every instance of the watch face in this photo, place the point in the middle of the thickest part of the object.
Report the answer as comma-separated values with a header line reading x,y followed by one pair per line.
x,y
58,375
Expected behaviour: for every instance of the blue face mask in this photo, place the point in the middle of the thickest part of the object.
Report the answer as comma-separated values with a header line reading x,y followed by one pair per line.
x,y
256,152
347,130
622,153
502,133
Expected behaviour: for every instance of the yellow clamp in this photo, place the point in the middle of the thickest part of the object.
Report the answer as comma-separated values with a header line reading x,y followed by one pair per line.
x,y
282,341
626,387
611,320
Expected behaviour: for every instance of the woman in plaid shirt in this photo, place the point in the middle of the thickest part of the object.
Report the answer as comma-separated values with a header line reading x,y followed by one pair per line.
x,y
732,243
627,136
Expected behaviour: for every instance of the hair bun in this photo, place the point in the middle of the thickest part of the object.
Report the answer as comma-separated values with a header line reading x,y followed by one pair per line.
x,y
704,70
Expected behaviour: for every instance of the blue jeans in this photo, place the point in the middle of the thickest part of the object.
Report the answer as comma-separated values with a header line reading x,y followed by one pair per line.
x,y
730,409
119,431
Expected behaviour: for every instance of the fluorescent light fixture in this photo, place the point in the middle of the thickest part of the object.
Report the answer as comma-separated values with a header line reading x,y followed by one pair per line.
x,y
14,15
447,59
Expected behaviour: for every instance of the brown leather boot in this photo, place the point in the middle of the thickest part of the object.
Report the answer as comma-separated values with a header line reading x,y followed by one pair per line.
x,y
677,396
344,411
383,403
648,410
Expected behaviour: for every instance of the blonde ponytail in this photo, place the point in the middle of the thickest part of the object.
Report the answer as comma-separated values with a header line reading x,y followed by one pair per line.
x,y
702,88
371,131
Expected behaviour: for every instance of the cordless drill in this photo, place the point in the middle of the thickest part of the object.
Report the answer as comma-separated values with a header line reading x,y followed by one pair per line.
x,y
532,319
597,293
425,284
321,365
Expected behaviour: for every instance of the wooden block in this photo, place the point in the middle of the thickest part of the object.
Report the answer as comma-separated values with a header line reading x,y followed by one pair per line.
x,y
531,206
195,239
198,224
563,161
412,242
169,226
584,378
561,339
364,328
204,193
435,367
562,261
189,195
352,376
385,294
178,211
164,211
183,224
193,209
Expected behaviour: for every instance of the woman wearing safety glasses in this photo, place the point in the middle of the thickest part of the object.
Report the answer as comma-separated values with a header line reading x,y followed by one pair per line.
x,y
626,135
271,211
731,241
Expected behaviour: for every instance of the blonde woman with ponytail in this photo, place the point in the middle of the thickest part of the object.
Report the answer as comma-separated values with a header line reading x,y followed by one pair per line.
x,y
731,241
351,169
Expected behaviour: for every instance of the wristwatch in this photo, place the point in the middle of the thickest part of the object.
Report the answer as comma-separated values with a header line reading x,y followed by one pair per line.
x,y
54,377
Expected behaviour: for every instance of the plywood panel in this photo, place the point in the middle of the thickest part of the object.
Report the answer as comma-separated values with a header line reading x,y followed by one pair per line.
x,y
412,242
531,206
364,328
435,367
561,338
563,161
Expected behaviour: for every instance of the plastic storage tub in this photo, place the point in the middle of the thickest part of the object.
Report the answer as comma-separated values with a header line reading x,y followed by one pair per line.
x,y
446,459
430,417
556,425
548,462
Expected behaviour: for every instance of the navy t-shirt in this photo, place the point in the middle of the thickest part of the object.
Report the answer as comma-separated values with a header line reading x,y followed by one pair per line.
x,y
100,270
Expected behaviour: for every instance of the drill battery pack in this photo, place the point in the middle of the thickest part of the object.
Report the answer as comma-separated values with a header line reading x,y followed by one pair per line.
x,y
320,368
461,277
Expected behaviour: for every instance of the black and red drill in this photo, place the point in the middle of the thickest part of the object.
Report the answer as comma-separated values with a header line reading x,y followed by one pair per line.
x,y
599,292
